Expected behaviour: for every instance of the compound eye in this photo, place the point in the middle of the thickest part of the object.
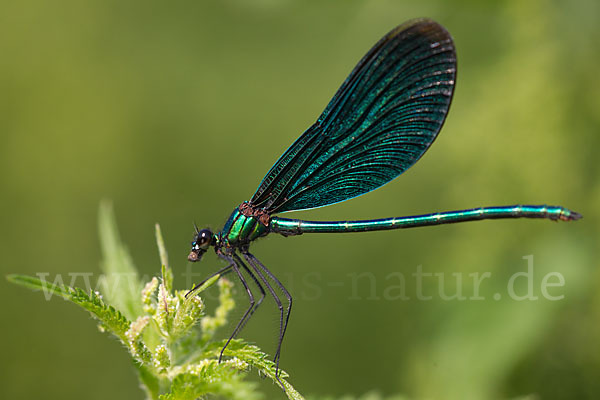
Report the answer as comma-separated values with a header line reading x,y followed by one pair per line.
x,y
204,239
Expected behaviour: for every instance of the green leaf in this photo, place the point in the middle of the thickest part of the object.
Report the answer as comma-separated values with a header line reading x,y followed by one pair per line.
x,y
255,358
209,282
187,315
150,382
211,377
160,243
110,319
167,273
36,284
120,284
183,360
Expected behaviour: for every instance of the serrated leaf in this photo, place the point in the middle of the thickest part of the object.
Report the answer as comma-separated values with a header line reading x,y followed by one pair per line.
x,y
111,319
255,358
184,361
187,315
33,283
211,378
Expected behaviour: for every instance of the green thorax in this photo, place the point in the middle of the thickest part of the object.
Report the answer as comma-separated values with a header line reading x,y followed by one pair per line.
x,y
240,230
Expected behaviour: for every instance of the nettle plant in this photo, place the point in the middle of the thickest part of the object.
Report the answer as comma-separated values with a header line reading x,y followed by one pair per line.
x,y
170,337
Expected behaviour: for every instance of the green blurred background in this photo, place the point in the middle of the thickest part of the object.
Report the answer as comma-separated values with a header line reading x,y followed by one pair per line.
x,y
176,110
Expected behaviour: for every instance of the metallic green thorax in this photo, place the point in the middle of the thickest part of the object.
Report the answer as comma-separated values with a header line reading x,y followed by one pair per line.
x,y
240,230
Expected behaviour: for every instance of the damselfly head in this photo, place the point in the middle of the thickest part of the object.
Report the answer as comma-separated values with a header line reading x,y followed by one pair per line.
x,y
202,241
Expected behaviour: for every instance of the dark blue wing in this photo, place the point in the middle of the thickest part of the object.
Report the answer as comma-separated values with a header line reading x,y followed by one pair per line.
x,y
379,123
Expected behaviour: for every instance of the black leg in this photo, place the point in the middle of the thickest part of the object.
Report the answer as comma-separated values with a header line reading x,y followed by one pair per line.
x,y
226,270
286,294
262,293
259,268
246,318
222,271
248,312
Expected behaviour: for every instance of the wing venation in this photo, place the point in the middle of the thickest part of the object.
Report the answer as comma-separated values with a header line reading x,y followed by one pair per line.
x,y
380,122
